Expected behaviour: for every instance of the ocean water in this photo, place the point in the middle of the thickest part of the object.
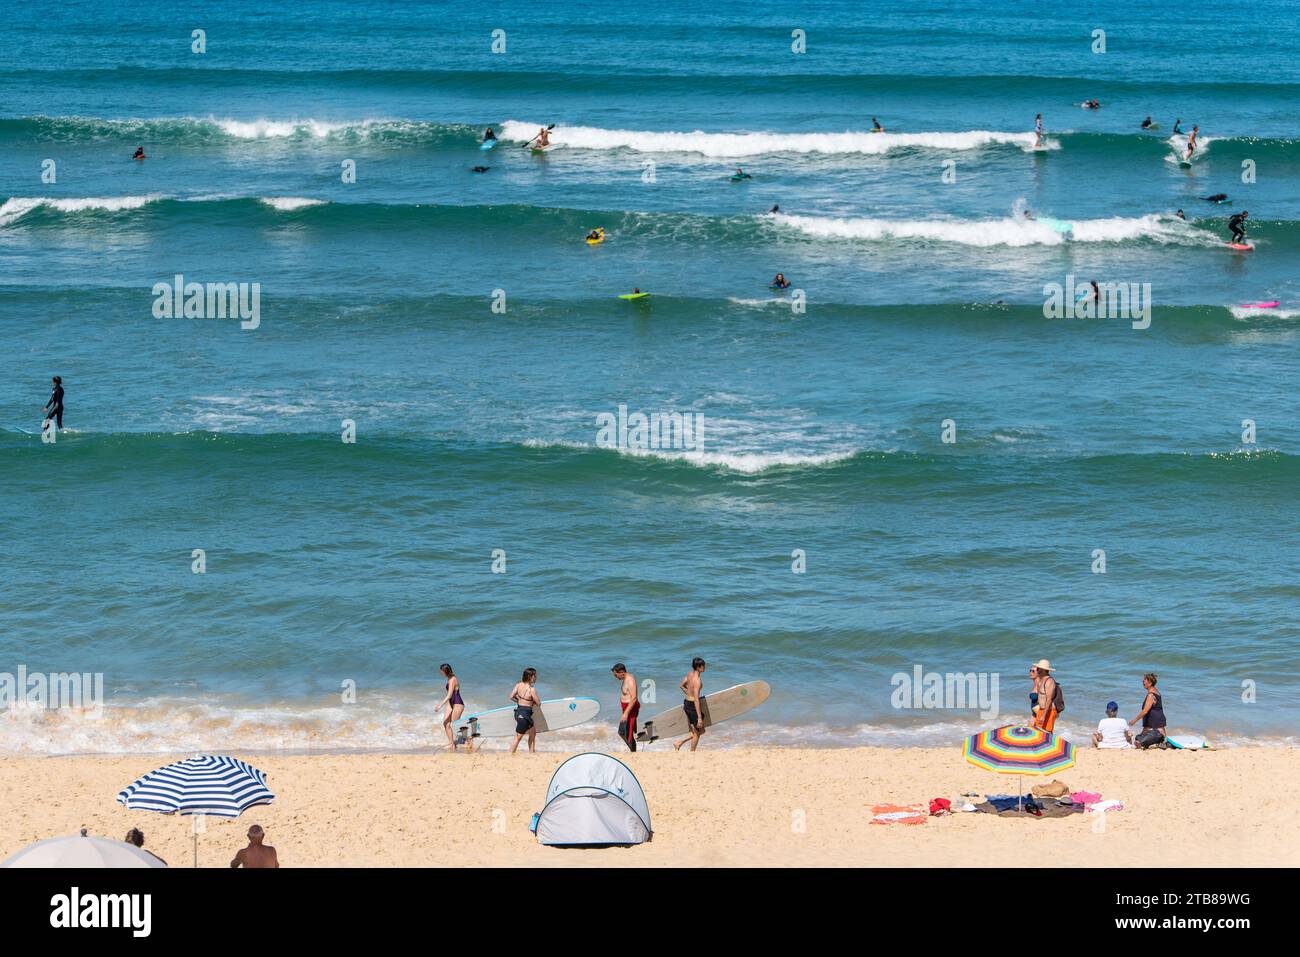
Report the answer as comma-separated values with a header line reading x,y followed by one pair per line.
x,y
333,564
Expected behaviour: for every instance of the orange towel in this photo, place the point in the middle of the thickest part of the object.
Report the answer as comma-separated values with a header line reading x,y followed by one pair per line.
x,y
898,814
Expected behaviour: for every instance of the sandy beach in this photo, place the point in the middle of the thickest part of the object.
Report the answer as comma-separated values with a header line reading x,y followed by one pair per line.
x,y
715,808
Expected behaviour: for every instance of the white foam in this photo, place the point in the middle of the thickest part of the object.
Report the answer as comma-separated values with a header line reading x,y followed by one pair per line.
x,y
19,206
999,232
1254,312
731,145
263,129
287,204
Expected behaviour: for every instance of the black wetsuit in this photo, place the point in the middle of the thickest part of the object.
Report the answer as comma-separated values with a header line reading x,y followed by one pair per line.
x,y
1237,224
54,408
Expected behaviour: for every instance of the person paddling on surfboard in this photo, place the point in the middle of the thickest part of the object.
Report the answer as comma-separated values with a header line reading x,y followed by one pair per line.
x,y
692,687
139,153
1147,124
526,700
1237,226
1216,198
54,408
542,139
488,135
630,704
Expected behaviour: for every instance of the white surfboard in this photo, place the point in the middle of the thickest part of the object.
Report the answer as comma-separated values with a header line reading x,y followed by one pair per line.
x,y
717,706
554,714
1188,742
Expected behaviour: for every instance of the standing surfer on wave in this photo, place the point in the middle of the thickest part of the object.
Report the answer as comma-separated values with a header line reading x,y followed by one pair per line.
x,y
54,408
1237,226
1191,142
1038,131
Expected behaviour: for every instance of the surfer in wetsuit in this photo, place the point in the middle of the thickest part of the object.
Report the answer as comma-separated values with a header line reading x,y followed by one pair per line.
x,y
1216,198
1180,214
774,210
1237,226
875,126
1178,129
629,704
1146,124
54,408
139,153
488,135
692,687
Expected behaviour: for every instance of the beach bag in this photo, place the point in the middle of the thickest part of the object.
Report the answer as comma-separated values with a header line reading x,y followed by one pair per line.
x,y
1058,697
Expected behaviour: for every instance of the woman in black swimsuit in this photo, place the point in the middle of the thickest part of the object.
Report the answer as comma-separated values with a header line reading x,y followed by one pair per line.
x,y
452,701
1152,715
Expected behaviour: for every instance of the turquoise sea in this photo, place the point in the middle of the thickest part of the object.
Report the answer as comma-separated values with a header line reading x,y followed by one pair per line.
x,y
461,323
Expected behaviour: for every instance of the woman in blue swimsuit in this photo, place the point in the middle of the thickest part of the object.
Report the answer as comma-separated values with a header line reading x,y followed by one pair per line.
x,y
452,700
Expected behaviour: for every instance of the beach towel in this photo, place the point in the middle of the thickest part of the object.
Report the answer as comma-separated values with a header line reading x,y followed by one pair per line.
x,y
1102,806
1085,797
897,814
997,803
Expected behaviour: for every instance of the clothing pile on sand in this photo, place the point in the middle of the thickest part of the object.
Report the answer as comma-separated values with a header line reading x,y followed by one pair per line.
x,y
1054,799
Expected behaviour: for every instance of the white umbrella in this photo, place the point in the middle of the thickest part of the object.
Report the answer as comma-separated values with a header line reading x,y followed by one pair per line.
x,y
208,784
82,851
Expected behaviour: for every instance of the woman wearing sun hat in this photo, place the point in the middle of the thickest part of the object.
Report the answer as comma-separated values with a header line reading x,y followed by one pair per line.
x,y
1050,698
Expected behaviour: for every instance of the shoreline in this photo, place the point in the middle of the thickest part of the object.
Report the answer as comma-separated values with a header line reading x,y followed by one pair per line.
x,y
732,807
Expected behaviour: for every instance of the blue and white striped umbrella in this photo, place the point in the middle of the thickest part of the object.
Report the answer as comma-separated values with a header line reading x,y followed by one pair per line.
x,y
209,784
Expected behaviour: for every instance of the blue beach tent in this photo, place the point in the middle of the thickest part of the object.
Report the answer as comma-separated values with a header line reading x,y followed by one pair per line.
x,y
593,799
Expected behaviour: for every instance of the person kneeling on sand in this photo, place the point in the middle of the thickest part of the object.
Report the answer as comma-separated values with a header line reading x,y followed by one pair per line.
x,y
256,854
1112,730
1152,715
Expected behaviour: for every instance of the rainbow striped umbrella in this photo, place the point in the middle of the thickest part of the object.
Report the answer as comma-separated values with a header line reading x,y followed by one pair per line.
x,y
1019,749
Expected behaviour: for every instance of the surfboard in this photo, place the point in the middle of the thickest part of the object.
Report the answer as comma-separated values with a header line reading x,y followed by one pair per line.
x,y
488,144
598,240
1185,164
741,179
717,706
1057,225
538,150
1188,742
14,428
1239,247
1260,305
634,295
554,714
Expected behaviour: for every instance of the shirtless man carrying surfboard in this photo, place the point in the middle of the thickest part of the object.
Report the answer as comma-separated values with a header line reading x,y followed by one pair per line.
x,y
691,687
